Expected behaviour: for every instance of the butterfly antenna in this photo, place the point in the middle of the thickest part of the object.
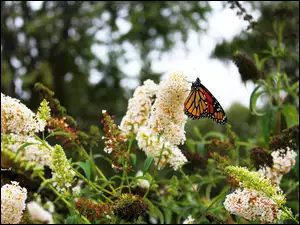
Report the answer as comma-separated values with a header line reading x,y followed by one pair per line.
x,y
188,81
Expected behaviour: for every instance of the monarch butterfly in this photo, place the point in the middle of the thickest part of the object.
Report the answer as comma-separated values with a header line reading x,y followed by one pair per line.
x,y
200,103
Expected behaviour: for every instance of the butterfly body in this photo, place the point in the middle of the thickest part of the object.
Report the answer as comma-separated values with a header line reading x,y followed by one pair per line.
x,y
200,103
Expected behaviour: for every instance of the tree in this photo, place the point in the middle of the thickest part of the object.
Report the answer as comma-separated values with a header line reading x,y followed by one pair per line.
x,y
55,44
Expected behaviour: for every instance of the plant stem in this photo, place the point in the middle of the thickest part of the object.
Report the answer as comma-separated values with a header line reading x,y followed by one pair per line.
x,y
65,201
95,186
291,216
125,167
155,171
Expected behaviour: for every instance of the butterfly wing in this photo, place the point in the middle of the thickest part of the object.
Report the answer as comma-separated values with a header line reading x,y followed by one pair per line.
x,y
194,106
215,110
200,103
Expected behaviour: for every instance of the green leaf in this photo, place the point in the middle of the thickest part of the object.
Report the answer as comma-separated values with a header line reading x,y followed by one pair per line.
x,y
253,100
103,157
147,163
92,165
256,58
268,122
44,184
154,211
291,115
295,86
59,133
86,166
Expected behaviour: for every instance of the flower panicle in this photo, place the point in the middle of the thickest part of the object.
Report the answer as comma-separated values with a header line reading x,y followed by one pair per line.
x,y
253,180
114,139
287,138
18,119
13,198
44,111
163,130
260,157
246,67
93,210
252,205
139,107
129,207
273,166
62,173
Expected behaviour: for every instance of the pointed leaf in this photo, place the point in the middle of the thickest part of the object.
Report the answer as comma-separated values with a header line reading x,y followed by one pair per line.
x,y
253,100
86,168
147,163
291,115
59,133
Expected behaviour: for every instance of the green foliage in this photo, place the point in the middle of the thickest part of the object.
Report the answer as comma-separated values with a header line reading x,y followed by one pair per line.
x,y
58,44
147,163
265,34
89,168
108,190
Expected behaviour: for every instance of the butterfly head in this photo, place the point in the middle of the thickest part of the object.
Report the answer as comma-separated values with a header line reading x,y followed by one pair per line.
x,y
196,84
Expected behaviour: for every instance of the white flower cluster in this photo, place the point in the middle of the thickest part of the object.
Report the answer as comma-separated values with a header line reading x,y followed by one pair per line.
x,y
35,152
252,205
18,119
12,203
153,145
189,220
156,116
167,115
283,161
139,107
38,213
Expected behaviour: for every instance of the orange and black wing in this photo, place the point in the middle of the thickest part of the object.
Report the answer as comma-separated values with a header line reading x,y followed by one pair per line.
x,y
195,105
200,103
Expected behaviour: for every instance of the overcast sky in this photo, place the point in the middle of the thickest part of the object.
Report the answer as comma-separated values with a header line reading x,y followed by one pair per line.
x,y
223,80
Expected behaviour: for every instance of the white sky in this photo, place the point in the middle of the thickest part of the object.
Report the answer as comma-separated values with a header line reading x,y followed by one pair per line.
x,y
223,80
